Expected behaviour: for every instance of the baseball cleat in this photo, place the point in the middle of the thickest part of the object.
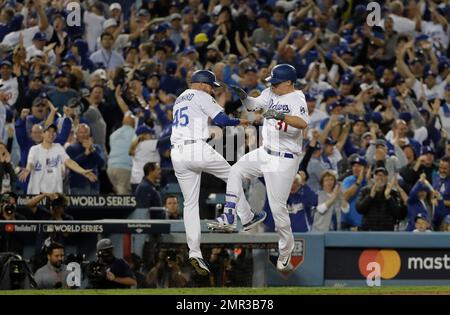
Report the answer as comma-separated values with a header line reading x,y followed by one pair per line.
x,y
224,223
200,266
257,219
283,263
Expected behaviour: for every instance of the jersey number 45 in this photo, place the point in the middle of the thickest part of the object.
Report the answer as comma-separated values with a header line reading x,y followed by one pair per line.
x,y
180,117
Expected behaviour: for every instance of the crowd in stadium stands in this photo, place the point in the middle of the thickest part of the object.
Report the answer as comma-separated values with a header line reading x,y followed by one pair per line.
x,y
86,109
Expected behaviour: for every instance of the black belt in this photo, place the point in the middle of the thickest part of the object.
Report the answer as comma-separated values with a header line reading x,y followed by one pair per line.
x,y
185,142
280,154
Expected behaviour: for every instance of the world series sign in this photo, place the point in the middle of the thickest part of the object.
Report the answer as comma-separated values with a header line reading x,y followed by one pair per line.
x,y
84,227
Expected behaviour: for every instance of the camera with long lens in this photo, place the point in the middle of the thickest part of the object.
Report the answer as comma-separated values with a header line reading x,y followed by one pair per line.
x,y
8,209
17,270
96,272
14,272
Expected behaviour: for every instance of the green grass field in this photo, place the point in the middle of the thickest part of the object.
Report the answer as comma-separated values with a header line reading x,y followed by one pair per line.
x,y
445,290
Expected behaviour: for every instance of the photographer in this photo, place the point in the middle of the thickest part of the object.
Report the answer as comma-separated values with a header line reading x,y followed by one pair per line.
x,y
56,212
10,242
8,207
109,272
167,272
54,274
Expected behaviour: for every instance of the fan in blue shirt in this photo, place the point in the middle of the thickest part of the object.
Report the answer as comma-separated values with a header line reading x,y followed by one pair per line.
x,y
300,203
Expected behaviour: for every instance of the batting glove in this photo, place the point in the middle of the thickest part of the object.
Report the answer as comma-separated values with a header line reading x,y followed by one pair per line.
x,y
273,114
240,92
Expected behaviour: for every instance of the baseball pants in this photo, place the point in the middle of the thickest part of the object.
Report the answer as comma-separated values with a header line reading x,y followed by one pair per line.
x,y
189,161
278,173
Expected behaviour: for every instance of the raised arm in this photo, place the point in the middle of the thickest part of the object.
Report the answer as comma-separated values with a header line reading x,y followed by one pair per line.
x,y
120,102
43,20
403,68
33,202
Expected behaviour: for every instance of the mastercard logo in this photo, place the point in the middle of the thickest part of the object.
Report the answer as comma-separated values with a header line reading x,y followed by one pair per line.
x,y
388,259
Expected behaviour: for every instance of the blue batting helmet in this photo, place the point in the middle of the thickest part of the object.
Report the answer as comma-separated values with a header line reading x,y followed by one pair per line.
x,y
281,73
205,76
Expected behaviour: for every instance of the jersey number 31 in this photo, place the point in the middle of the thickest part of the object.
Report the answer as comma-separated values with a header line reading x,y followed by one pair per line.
x,y
281,125
180,117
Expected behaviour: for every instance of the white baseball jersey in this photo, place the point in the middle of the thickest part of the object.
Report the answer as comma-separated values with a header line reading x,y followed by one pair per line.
x,y
190,116
48,169
191,112
277,135
146,151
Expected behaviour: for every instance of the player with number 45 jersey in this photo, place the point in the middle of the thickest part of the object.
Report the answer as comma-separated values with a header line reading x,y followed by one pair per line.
x,y
191,155
277,160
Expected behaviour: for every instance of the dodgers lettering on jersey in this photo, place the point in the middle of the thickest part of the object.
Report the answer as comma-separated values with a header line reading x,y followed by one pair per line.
x,y
277,135
190,116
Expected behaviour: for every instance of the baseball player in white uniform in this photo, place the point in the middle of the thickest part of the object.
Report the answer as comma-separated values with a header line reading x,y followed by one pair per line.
x,y
191,155
277,160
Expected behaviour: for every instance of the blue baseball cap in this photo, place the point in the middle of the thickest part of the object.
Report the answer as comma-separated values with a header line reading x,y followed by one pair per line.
x,y
144,129
310,97
423,110
310,22
168,43
359,118
428,72
60,73
345,50
346,79
143,12
5,62
359,160
421,37
334,105
264,15
163,27
251,69
171,67
329,93
40,36
296,34
422,216
188,50
376,117
406,116
186,10
330,141
426,149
